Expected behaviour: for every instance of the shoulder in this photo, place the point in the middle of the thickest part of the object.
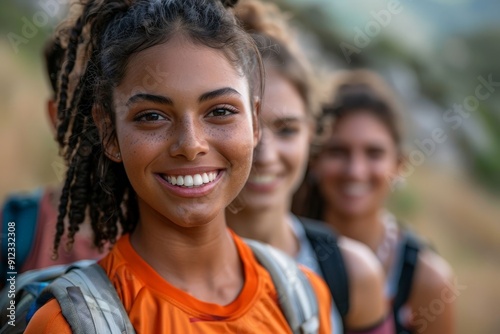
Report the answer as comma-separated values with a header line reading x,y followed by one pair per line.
x,y
435,290
432,275
366,284
48,319
362,265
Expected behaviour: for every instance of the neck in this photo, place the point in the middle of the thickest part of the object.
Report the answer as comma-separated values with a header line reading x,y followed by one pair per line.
x,y
194,259
271,226
368,229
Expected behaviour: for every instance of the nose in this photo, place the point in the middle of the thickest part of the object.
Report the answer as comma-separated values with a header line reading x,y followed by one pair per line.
x,y
190,139
266,150
356,167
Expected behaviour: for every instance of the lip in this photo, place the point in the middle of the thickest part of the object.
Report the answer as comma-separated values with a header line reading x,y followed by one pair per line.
x,y
263,188
190,171
351,196
194,192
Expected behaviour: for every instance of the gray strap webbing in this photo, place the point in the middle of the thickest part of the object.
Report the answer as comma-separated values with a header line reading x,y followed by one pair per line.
x,y
101,313
296,296
40,275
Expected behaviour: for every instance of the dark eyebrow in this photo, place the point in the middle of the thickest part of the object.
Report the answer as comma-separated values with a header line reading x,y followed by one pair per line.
x,y
149,97
216,93
288,119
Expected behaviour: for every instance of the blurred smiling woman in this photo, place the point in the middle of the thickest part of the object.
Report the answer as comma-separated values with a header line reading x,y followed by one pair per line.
x,y
262,210
348,185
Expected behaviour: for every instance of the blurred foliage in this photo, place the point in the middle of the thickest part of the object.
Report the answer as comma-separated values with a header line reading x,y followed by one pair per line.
x,y
403,202
12,13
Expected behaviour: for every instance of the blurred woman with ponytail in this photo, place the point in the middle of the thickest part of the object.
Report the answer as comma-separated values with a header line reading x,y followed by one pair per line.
x,y
262,210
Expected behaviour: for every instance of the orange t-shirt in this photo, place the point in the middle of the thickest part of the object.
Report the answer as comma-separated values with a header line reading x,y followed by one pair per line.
x,y
155,306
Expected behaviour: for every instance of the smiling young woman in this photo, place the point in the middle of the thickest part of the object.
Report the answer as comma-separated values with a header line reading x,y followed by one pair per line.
x,y
349,181
155,157
262,210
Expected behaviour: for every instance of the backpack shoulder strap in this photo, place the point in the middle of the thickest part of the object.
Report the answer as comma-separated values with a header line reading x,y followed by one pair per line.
x,y
325,244
89,302
296,296
411,248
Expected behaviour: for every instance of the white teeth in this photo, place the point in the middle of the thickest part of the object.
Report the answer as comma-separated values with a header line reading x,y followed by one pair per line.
x,y
356,189
262,179
190,181
180,180
172,179
197,180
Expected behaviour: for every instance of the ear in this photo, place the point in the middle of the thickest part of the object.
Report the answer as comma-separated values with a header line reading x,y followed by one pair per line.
x,y
52,113
256,121
109,142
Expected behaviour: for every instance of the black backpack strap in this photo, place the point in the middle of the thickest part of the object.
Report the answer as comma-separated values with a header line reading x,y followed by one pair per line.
x,y
325,244
411,248
89,302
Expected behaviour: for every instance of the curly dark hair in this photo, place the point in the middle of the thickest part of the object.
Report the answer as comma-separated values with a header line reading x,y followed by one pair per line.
x,y
98,45
53,54
278,45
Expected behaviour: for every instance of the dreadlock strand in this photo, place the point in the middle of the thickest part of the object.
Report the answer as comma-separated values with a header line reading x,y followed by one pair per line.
x,y
63,209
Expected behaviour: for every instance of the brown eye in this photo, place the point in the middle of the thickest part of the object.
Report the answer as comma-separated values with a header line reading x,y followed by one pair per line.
x,y
286,128
287,131
220,112
149,117
375,153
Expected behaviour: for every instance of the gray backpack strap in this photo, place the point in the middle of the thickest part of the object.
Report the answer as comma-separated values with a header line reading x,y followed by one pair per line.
x,y
296,296
89,302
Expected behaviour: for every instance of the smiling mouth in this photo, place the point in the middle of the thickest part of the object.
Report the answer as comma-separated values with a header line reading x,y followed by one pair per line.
x,y
261,179
190,181
356,189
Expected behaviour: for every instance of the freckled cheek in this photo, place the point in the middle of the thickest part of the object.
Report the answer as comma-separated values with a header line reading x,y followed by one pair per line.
x,y
237,147
140,147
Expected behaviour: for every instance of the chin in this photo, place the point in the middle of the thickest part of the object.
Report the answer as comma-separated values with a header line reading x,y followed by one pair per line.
x,y
192,218
352,208
257,205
